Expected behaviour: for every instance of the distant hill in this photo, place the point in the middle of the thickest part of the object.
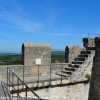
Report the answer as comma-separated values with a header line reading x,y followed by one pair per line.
x,y
10,54
53,52
57,53
15,58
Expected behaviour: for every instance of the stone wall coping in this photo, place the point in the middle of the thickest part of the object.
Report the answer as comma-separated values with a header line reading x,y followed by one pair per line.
x,y
70,46
33,65
59,63
27,44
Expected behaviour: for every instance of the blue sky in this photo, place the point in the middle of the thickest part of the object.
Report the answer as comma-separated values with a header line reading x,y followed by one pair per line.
x,y
54,22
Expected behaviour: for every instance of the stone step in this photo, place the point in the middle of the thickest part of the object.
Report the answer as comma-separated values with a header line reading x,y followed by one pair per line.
x,y
74,65
90,48
80,59
86,52
70,69
62,74
77,62
67,72
83,55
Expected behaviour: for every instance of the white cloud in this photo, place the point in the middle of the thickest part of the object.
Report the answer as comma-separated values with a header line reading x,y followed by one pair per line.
x,y
19,21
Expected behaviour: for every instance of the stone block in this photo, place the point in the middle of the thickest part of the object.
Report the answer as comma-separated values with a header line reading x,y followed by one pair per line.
x,y
33,54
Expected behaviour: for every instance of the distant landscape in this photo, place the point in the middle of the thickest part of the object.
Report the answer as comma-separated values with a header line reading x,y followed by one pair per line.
x,y
57,56
10,59
16,58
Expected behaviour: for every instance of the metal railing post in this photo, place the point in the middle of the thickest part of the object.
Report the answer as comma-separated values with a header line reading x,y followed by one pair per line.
x,y
26,92
61,71
7,76
9,80
38,75
23,77
12,83
50,74
18,87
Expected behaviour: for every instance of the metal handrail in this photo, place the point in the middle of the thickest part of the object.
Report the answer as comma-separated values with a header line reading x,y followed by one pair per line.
x,y
6,92
50,74
18,79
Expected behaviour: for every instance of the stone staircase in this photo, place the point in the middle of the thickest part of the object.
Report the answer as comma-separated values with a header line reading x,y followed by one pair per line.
x,y
80,62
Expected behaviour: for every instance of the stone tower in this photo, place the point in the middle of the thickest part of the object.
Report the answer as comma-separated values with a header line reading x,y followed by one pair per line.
x,y
36,54
94,92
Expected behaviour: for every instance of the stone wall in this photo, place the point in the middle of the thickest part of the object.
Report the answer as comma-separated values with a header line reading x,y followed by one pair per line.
x,y
14,68
71,52
33,54
70,92
31,71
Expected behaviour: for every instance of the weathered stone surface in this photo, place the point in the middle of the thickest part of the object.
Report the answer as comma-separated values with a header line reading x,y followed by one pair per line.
x,y
32,70
71,92
34,53
71,52
88,42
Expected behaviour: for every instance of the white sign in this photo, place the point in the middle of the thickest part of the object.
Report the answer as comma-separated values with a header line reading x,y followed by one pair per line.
x,y
38,61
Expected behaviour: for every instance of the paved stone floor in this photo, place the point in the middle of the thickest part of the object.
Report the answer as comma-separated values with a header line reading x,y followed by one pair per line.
x,y
42,78
28,80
